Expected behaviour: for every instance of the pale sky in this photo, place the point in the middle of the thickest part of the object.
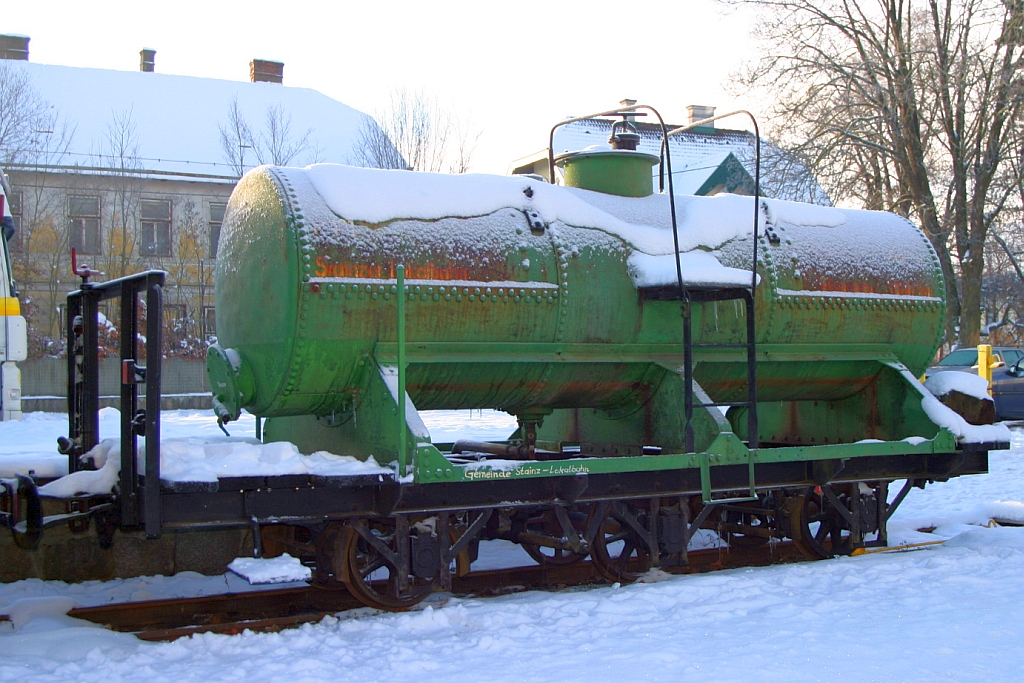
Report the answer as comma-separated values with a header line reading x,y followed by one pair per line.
x,y
513,68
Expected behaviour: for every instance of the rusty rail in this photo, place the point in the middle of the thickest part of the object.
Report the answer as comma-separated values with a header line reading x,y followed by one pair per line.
x,y
274,610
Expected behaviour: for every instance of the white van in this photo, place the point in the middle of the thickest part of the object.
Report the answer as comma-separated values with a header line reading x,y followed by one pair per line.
x,y
13,333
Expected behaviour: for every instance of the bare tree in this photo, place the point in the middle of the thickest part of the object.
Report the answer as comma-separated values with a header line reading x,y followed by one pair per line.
x,y
275,143
23,113
912,106
783,174
1003,285
33,134
314,153
190,281
41,252
120,157
415,132
235,137
374,148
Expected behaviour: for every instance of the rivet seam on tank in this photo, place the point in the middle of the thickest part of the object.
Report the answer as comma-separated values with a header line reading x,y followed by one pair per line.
x,y
771,273
562,256
295,219
854,303
451,293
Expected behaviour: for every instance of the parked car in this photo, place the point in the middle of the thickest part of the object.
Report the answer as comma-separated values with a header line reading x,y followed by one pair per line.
x,y
1008,391
1007,379
965,360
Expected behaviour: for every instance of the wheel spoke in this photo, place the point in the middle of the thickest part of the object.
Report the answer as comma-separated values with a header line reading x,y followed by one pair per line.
x,y
627,552
547,524
372,567
614,538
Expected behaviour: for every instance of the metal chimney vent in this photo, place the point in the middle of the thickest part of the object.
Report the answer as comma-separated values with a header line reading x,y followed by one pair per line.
x,y
147,60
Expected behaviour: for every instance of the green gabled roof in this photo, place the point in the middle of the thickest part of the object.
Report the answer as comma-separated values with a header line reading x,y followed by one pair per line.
x,y
730,176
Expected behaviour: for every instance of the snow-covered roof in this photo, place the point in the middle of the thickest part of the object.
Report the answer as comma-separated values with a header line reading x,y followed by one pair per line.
x,y
698,154
177,118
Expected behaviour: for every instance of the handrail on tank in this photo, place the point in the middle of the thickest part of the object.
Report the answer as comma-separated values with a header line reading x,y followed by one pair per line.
x,y
752,426
757,168
402,454
752,342
665,168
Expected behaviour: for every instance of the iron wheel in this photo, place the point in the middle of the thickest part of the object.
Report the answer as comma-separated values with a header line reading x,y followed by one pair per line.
x,y
618,551
370,575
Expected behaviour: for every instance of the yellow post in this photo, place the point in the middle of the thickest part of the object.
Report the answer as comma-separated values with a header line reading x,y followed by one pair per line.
x,y
986,361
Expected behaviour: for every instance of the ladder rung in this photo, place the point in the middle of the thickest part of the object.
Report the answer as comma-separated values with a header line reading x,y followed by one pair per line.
x,y
721,346
711,405
726,501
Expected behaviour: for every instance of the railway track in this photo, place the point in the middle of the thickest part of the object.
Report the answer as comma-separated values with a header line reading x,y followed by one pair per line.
x,y
274,610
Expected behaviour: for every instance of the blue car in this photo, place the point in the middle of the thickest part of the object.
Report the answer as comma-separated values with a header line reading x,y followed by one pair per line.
x,y
1007,380
1008,391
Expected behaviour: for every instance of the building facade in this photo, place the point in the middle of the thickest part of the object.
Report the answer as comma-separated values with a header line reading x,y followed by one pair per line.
x,y
118,225
134,169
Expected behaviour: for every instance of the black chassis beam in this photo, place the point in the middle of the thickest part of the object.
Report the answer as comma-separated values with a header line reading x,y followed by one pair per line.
x,y
306,500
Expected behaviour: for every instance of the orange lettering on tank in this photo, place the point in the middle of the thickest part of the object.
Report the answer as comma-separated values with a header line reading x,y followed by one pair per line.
x,y
825,283
428,271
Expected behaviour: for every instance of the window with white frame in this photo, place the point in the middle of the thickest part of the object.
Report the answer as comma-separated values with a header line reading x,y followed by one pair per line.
x,y
156,227
216,218
209,321
84,223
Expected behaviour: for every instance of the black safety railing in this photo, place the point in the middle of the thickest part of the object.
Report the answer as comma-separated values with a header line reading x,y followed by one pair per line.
x,y
135,497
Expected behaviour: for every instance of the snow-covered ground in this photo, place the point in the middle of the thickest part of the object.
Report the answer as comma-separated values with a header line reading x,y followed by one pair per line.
x,y
950,612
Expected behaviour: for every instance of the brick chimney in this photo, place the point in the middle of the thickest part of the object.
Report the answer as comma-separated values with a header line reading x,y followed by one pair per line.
x,y
147,60
699,112
14,47
265,71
